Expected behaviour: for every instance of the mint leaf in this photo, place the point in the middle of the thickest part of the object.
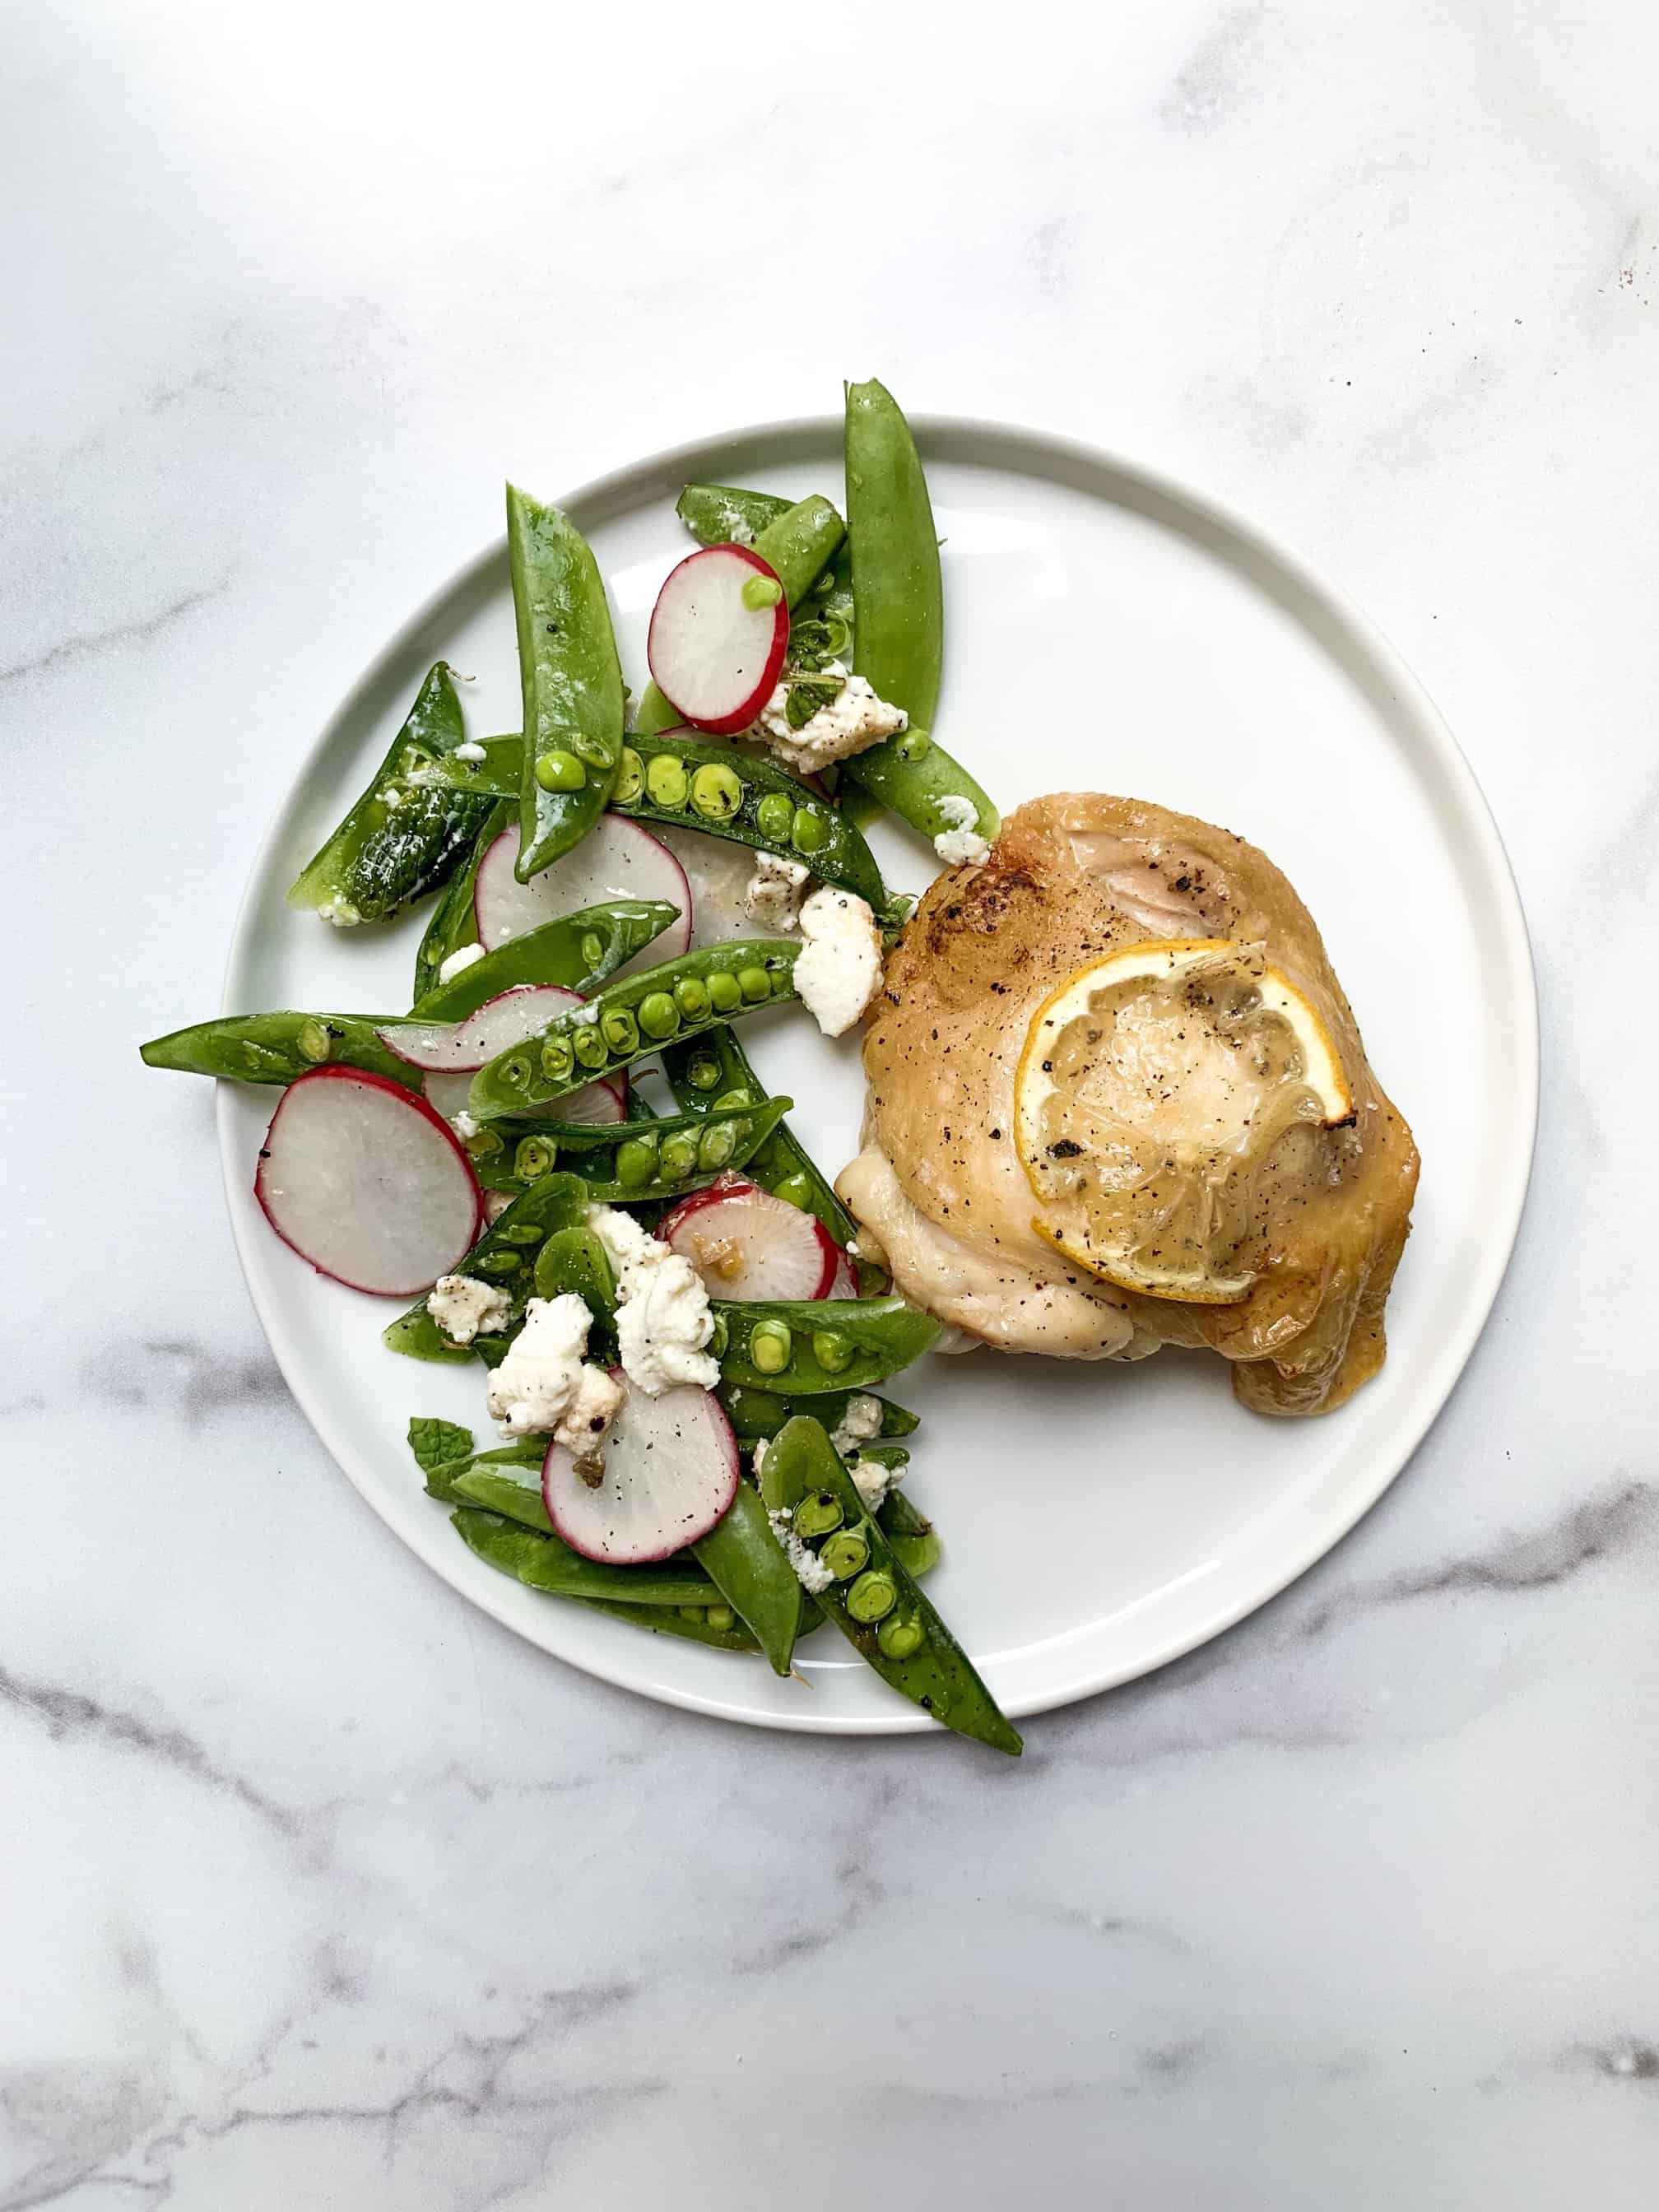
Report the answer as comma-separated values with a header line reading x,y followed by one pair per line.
x,y
434,1442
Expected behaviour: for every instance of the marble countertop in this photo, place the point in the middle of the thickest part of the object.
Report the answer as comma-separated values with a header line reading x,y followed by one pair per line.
x,y
314,1895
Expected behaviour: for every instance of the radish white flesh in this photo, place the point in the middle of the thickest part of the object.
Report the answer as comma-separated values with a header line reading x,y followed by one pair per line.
x,y
845,1281
713,655
598,1102
718,872
670,1473
362,1179
617,859
506,1019
744,1243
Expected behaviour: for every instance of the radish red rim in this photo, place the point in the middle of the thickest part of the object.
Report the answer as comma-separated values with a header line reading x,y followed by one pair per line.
x,y
716,649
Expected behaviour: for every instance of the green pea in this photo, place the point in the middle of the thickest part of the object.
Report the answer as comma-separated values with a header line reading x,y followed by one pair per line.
x,y
809,832
773,818
818,1513
679,1156
620,1030
783,981
515,1073
898,1637
497,1263
770,1346
597,749
666,781
730,1099
845,1554
535,1157
482,1144
913,745
315,1042
831,1350
658,1016
690,1612
703,1074
592,949
872,1597
630,777
724,992
716,793
558,1059
755,984
588,1045
523,1233
760,592
560,771
796,1189
715,1147
636,1162
692,997
720,1616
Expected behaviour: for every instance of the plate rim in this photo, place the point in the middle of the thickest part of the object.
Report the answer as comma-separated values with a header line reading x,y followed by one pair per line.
x,y
1070,461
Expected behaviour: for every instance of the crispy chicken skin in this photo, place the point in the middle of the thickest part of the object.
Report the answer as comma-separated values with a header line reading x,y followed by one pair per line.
x,y
939,1187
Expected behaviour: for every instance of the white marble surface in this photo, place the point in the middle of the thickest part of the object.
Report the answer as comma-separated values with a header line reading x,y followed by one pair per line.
x,y
320,1890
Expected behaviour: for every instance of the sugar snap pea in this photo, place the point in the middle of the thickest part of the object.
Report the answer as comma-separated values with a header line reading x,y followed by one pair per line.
x,y
544,1562
629,1019
276,1048
579,950
397,842
574,1261
798,543
823,628
624,1162
505,1254
899,620
572,679
820,1345
756,1413
872,1599
754,1576
453,923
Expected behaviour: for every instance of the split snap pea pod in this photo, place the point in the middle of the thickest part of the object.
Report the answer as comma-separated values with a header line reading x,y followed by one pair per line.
x,y
629,1019
712,1075
278,1046
579,950
572,678
820,1345
756,1413
650,1597
624,1162
798,544
870,1598
747,1561
453,923
397,840
505,1254
899,616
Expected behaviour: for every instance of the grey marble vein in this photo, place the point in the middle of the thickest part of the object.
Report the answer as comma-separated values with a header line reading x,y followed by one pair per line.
x,y
71,652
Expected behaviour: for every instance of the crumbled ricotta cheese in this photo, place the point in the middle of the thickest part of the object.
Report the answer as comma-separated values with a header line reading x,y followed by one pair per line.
x,y
773,898
809,1571
962,841
496,1203
584,1016
469,751
340,912
543,1388
392,797
860,1425
759,1456
873,1481
458,962
461,1305
464,1125
838,971
853,721
663,1315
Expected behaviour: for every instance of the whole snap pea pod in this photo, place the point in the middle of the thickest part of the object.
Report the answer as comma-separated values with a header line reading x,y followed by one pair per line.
x,y
573,1260
870,1598
819,1344
572,686
276,1047
899,618
545,1563
629,1019
677,779
712,1075
519,1464
580,951
756,1413
798,544
754,1576
721,514
624,1162
453,923
397,841
506,1256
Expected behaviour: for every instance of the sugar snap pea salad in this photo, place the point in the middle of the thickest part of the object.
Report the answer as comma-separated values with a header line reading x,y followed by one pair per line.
x,y
561,1154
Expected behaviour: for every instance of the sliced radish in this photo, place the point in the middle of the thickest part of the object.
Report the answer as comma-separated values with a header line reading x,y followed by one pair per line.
x,y
713,655
362,1179
718,872
744,1243
618,858
846,1283
506,1019
598,1102
670,1473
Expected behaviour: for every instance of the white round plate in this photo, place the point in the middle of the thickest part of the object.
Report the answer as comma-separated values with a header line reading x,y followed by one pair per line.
x,y
1107,631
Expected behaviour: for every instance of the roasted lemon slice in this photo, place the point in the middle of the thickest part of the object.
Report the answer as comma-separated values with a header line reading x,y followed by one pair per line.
x,y
1161,1094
